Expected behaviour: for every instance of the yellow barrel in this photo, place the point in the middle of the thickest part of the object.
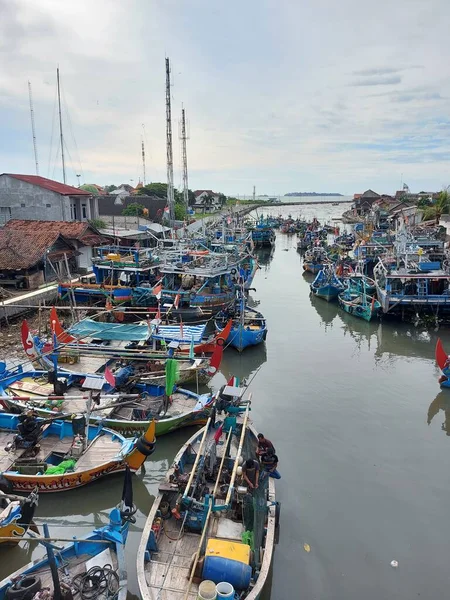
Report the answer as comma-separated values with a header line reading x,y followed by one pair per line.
x,y
228,549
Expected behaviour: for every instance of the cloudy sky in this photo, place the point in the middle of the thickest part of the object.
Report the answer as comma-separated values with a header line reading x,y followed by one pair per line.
x,y
317,95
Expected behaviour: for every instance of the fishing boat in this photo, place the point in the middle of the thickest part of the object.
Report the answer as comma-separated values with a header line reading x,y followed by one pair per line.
x,y
55,456
443,363
248,328
263,235
327,285
205,530
16,515
314,260
93,566
359,304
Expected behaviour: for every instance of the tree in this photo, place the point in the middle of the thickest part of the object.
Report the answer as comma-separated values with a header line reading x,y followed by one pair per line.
x,y
98,223
439,208
180,211
134,209
153,189
110,188
222,199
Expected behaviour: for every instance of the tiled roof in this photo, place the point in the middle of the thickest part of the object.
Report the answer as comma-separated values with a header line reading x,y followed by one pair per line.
x,y
199,192
72,230
19,251
49,184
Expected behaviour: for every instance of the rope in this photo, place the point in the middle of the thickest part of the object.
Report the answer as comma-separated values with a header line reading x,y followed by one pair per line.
x,y
97,582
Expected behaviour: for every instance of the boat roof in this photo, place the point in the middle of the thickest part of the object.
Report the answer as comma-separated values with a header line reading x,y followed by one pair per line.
x,y
137,332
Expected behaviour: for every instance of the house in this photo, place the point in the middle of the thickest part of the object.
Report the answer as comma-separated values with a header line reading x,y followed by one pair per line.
x,y
362,203
80,235
28,261
113,205
33,197
206,201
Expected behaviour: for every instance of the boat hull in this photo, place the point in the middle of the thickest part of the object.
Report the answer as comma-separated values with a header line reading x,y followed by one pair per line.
x,y
241,338
363,311
326,292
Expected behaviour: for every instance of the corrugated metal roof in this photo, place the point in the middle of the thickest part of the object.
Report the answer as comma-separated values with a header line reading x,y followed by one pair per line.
x,y
49,184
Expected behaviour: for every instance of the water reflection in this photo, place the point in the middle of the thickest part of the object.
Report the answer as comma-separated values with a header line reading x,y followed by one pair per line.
x,y
264,257
441,402
242,364
401,339
327,311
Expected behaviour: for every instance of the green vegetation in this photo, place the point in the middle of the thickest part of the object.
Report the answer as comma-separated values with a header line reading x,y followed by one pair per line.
x,y
88,187
98,223
134,210
110,188
440,207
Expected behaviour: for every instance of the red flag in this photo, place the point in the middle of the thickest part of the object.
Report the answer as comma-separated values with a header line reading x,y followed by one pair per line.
x,y
157,290
176,302
109,377
218,434
158,312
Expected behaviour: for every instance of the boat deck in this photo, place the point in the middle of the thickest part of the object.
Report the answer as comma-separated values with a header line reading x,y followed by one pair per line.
x,y
101,450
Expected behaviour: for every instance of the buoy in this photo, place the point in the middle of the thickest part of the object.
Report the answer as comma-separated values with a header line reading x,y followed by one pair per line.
x,y
394,563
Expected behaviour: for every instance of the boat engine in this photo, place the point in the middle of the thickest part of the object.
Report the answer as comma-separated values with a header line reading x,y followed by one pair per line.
x,y
122,375
29,431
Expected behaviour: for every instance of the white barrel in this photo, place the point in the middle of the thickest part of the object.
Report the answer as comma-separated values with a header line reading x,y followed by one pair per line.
x,y
225,591
207,590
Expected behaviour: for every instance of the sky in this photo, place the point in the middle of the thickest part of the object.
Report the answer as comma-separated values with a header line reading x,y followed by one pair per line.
x,y
284,95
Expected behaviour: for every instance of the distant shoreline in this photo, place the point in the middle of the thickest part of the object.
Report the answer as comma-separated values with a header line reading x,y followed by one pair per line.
x,y
311,194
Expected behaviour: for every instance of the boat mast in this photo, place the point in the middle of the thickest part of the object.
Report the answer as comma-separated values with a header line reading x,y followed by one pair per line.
x,y
184,137
143,156
33,130
170,193
60,127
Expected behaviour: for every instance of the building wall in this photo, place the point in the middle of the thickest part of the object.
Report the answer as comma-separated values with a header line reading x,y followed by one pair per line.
x,y
22,200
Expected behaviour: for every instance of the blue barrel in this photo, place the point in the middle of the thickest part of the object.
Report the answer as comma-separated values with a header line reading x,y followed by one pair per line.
x,y
218,569
225,591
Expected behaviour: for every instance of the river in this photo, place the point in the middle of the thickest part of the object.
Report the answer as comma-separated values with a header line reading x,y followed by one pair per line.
x,y
358,420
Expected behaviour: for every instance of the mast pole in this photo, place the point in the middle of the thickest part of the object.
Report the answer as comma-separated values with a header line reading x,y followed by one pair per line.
x,y
33,130
60,127
170,192
185,166
143,159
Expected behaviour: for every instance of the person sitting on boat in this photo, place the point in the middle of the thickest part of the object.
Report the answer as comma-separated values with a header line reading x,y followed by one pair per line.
x,y
250,473
269,462
263,445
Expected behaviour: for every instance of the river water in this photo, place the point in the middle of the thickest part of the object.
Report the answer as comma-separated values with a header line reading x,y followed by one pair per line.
x,y
358,420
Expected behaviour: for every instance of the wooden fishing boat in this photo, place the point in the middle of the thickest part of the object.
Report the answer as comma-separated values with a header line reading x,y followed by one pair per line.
x,y
93,566
249,328
327,285
359,304
56,456
128,412
16,516
443,363
204,524
314,260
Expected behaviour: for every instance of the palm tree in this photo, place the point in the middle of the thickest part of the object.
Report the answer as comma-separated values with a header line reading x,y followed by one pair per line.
x,y
440,207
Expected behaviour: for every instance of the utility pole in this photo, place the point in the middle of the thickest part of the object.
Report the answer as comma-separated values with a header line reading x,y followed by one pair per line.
x,y
33,130
60,127
170,192
143,159
183,138
254,193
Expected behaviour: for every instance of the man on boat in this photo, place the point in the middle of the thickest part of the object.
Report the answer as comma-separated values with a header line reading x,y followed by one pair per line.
x,y
269,462
250,473
263,445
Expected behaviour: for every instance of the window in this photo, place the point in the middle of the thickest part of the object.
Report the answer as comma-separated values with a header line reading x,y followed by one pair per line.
x,y
23,205
73,211
48,205
83,211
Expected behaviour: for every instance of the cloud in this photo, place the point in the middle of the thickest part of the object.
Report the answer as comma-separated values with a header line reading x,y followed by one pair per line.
x,y
394,80
265,109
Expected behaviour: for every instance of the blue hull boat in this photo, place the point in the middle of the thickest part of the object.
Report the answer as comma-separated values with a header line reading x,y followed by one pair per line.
x,y
249,331
90,565
327,285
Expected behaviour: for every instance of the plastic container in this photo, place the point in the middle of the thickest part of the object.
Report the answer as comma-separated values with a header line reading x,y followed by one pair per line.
x,y
228,549
207,591
219,569
225,591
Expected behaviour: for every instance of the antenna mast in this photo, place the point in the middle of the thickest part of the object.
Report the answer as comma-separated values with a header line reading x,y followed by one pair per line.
x,y
60,127
170,193
143,159
33,130
183,138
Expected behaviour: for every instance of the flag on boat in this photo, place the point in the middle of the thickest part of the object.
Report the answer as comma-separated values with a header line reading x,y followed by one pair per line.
x,y
218,434
191,349
172,372
176,302
181,329
157,290
109,377
233,382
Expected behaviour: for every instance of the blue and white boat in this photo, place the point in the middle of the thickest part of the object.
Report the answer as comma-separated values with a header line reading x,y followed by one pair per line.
x,y
94,564
327,285
249,327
